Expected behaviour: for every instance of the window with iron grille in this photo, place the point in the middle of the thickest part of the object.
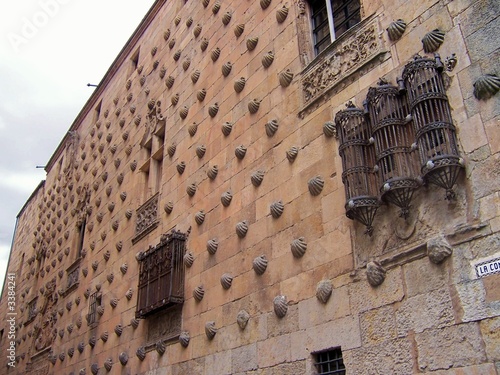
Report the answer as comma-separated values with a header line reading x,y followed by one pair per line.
x,y
32,310
161,275
94,302
329,362
331,18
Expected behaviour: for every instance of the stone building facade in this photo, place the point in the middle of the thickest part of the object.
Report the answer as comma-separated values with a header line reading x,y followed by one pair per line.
x,y
193,219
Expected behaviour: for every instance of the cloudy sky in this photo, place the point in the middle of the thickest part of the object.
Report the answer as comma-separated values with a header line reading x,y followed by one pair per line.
x,y
49,51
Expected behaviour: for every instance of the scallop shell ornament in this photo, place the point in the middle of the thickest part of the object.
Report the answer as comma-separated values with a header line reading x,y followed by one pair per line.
x,y
396,29
186,64
267,59
265,3
191,190
215,54
188,259
281,14
226,18
240,152
329,129
212,172
432,40
193,128
315,185
129,294
123,358
285,78
141,353
486,86
166,34
184,339
181,167
199,217
200,95
169,206
271,127
226,198
254,105
174,99
260,264
195,76
199,293
216,8
134,323
239,29
160,347
438,249
204,44
252,43
242,319
226,128
298,247
226,281
239,84
280,306
171,149
324,290
210,330
184,112
257,178
169,82
213,109
375,273
197,30
242,229
226,68
276,209
200,151
205,3
212,246
292,153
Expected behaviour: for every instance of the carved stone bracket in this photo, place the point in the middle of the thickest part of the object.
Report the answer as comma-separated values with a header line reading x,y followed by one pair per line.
x,y
147,218
356,52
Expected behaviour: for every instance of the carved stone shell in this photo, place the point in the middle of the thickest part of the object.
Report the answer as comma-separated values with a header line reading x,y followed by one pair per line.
x,y
329,129
105,336
191,190
240,152
315,185
184,112
226,18
276,209
257,178
324,290
134,323
133,165
205,3
118,329
212,172
128,213
108,364
375,273
226,128
200,151
226,198
123,358
216,8
169,82
171,149
141,353
238,29
432,40
260,264
271,127
174,99
298,247
177,20
254,105
163,72
199,293
215,54
160,347
95,263
210,330
396,29
197,30
124,268
267,59
129,294
285,78
188,259
100,310
242,229
92,341
239,84
212,245
292,153
94,368
169,206
81,347
252,43
110,277
280,306
195,76
189,21
184,339
226,68
213,109
281,14
265,3
181,166
486,86
438,249
201,94
106,255
193,128
115,225
226,280
166,34
186,63
242,319
199,217
204,44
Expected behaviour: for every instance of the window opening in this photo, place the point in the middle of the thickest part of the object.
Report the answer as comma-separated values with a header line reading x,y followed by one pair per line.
x,y
329,362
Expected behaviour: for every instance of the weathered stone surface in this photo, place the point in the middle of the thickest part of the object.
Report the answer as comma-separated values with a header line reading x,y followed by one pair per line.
x,y
422,276
490,329
218,363
378,325
244,358
455,346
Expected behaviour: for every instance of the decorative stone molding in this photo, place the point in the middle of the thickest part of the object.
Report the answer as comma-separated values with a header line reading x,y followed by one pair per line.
x,y
349,57
147,218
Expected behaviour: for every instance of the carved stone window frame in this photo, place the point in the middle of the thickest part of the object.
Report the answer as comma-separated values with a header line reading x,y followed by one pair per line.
x,y
72,277
31,311
147,218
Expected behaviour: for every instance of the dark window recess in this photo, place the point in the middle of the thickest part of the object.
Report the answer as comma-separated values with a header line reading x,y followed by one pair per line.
x,y
161,275
32,310
329,362
94,302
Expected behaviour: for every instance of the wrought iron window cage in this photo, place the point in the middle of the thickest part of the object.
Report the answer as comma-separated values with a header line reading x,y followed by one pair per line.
x,y
402,128
329,362
358,160
94,302
161,275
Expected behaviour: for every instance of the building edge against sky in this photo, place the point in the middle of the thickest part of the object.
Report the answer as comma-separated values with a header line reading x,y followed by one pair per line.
x,y
272,187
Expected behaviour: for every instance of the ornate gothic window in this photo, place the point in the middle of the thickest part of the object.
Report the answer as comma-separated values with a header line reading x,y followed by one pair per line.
x,y
161,275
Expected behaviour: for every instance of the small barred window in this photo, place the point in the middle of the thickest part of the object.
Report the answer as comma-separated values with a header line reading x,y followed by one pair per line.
x,y
329,362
